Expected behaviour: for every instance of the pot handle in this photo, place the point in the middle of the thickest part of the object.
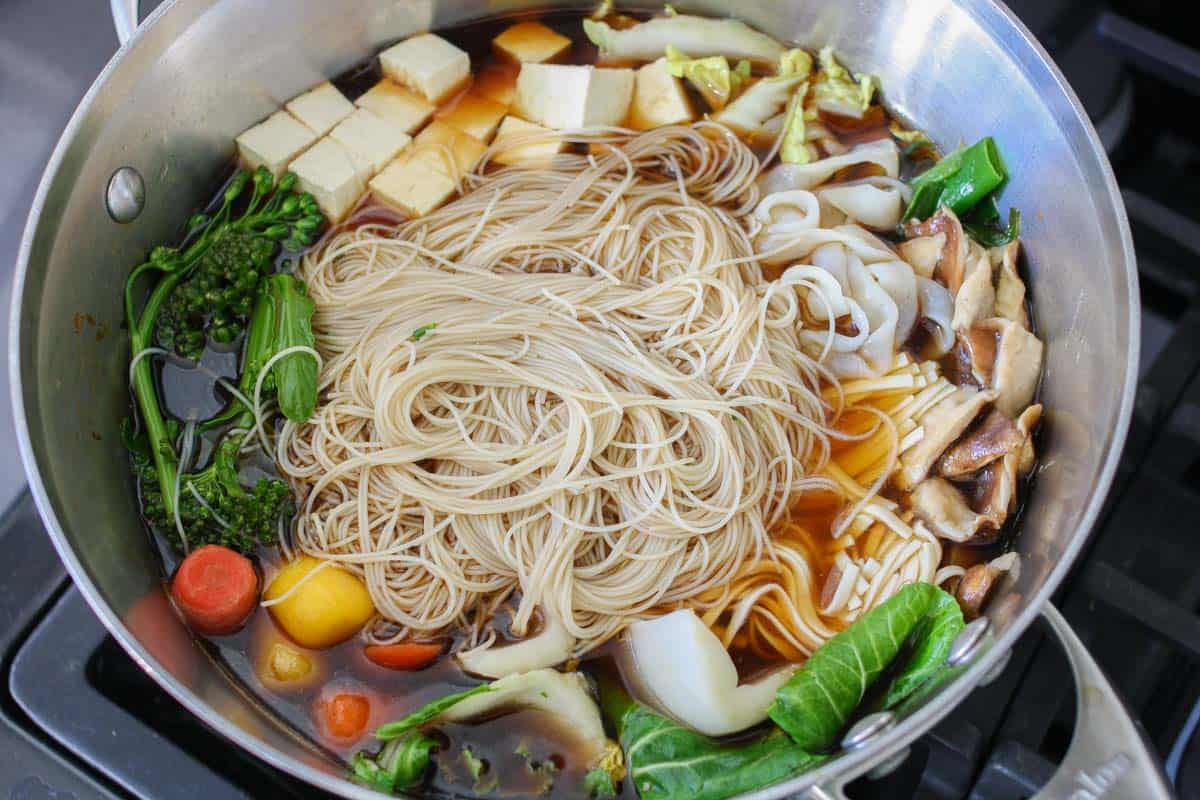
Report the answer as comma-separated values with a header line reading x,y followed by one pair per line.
x,y
1109,755
125,18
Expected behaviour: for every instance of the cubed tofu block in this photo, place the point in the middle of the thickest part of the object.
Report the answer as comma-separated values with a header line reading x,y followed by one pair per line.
x,y
274,142
320,108
497,82
573,97
369,139
393,103
531,43
412,186
658,99
538,152
475,115
427,64
447,149
327,172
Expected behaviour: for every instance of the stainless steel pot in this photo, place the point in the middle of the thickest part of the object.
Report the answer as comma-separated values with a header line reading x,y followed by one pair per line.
x,y
199,71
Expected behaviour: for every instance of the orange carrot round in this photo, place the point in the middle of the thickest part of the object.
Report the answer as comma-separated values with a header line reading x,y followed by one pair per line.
x,y
345,715
404,655
216,589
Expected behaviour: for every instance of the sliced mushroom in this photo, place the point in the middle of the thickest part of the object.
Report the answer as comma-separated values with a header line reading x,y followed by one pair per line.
x,y
979,345
1005,357
942,507
1010,289
922,253
1026,423
1017,367
976,297
941,425
978,583
993,438
952,261
994,492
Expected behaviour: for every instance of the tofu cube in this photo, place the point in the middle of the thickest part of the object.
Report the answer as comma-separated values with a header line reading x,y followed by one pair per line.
x,y
475,115
574,97
327,172
533,153
531,43
447,149
497,82
370,140
392,103
274,142
320,108
412,186
427,64
658,98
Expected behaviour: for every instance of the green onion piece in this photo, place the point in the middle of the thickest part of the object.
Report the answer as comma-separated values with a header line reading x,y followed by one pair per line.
x,y
961,180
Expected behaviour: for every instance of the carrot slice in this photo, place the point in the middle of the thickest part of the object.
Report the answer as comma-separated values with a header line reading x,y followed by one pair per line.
x,y
216,589
346,715
405,655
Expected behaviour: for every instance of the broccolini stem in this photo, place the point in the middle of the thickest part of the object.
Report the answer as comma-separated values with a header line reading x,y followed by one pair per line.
x,y
161,447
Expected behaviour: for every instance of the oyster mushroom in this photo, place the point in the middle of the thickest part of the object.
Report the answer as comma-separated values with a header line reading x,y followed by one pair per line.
x,y
978,583
993,438
976,297
923,253
941,426
943,508
951,264
1010,289
1005,357
1026,423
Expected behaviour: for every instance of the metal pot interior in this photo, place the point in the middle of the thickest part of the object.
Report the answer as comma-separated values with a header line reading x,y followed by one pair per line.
x,y
203,70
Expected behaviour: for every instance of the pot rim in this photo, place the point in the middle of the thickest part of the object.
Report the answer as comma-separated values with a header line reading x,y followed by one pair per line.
x,y
835,772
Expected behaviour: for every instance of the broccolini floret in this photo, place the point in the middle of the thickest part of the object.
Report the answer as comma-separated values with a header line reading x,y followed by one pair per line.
x,y
229,254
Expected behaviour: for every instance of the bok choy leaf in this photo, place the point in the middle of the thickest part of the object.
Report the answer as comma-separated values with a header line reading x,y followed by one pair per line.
x,y
815,705
670,762
400,765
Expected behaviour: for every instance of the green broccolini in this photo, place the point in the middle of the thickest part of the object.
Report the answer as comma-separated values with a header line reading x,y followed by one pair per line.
x,y
215,299
227,250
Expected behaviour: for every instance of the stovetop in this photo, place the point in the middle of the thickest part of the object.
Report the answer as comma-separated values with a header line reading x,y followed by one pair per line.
x,y
78,719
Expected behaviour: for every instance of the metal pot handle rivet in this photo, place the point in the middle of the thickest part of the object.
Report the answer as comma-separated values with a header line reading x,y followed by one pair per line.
x,y
125,196
969,642
867,729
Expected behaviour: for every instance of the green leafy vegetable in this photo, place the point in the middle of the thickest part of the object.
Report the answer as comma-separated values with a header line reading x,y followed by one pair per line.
x,y
711,76
794,147
795,62
670,762
419,333
967,182
400,764
295,374
838,91
599,785
234,247
930,647
700,36
983,224
815,704
427,712
226,258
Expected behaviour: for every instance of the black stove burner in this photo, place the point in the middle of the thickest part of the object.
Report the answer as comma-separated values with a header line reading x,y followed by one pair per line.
x,y
78,719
